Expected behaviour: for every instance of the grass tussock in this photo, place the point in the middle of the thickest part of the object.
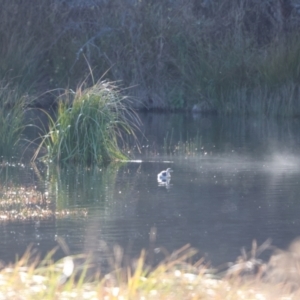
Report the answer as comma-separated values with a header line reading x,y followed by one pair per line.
x,y
89,126
174,278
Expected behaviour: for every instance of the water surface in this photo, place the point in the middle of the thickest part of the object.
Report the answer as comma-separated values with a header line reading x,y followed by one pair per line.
x,y
234,180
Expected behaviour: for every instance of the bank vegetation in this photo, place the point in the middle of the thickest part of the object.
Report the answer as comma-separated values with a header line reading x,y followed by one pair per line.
x,y
214,56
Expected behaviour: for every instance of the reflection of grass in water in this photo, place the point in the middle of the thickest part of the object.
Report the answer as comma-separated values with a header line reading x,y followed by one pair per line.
x,y
174,278
187,146
71,185
25,200
20,201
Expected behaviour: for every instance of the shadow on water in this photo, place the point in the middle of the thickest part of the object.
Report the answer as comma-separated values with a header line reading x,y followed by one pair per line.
x,y
234,180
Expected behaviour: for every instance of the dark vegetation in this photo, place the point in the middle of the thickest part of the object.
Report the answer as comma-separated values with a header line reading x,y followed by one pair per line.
x,y
228,56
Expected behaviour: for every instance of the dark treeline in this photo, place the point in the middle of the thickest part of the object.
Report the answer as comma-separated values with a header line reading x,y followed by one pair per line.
x,y
231,56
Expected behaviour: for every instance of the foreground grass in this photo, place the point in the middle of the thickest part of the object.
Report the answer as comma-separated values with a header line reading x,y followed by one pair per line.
x,y
173,278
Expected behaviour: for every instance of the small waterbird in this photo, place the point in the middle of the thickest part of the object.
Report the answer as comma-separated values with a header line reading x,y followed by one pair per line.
x,y
164,175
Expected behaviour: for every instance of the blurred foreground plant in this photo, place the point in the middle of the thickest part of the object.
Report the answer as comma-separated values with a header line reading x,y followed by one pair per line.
x,y
174,278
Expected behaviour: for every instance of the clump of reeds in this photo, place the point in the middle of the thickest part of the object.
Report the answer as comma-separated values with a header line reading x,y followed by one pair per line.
x,y
90,125
12,107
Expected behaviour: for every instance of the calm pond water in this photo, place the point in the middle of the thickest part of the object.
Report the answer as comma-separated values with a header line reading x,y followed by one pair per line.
x,y
234,180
